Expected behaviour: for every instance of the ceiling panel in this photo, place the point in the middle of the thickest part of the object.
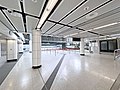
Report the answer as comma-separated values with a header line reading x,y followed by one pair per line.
x,y
106,17
79,12
102,22
117,31
61,30
114,4
31,23
109,30
46,26
64,8
33,7
2,19
106,31
54,29
69,32
17,21
86,35
11,4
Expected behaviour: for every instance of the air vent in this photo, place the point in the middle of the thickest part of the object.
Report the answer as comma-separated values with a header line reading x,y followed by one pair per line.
x,y
91,15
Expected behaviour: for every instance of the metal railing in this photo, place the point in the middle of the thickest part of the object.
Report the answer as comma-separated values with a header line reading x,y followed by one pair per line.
x,y
116,54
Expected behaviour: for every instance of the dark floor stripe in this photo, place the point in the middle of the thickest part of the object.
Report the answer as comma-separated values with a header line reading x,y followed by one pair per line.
x,y
116,84
49,82
6,68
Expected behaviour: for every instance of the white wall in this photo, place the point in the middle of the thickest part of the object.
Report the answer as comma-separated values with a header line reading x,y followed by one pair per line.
x,y
6,31
11,49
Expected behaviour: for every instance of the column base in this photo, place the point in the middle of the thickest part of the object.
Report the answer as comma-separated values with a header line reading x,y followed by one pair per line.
x,y
36,67
82,54
20,52
12,60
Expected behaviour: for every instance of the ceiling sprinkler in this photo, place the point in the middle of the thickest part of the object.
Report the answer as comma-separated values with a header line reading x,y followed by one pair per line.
x,y
10,11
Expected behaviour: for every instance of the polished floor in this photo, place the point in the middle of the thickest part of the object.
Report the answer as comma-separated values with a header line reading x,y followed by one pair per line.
x,y
90,72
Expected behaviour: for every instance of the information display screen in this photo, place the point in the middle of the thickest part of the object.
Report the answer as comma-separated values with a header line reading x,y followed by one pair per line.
x,y
108,45
104,45
76,39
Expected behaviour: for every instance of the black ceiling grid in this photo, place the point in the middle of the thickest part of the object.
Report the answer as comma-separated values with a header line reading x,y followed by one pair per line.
x,y
3,8
23,15
84,14
42,12
9,20
50,12
6,26
65,25
67,14
73,27
98,7
9,28
27,14
107,14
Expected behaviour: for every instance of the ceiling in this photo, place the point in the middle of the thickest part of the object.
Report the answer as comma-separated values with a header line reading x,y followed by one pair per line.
x,y
3,37
71,18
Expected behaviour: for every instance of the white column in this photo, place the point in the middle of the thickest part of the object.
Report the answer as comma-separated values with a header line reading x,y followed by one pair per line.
x,y
36,49
11,50
82,50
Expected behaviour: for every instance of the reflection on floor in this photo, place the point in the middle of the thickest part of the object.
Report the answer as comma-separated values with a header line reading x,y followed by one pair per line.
x,y
90,72
6,68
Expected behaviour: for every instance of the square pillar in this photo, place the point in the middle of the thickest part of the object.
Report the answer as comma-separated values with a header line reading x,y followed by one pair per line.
x,y
36,49
82,50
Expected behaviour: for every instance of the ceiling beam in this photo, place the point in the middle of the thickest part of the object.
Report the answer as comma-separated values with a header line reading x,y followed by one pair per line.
x,y
9,20
27,14
23,15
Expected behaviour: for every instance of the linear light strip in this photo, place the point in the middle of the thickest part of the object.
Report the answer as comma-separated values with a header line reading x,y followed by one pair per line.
x,y
50,5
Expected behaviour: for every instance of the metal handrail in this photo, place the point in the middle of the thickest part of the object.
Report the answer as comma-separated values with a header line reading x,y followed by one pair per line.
x,y
116,54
